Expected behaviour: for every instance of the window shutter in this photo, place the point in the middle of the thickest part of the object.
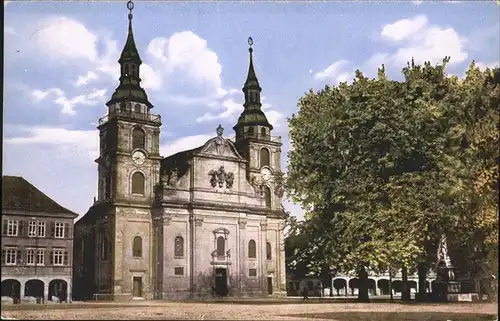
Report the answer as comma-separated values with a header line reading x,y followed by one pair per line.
x,y
4,227
66,230
51,257
21,228
4,254
52,228
65,257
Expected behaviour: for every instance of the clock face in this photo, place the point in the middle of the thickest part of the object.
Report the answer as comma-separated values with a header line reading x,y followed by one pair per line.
x,y
266,174
138,157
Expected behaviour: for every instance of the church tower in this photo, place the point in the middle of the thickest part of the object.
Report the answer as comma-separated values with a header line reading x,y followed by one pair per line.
x,y
128,167
255,142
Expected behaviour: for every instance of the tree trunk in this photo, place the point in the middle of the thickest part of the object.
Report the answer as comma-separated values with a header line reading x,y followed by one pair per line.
x,y
363,286
422,282
405,292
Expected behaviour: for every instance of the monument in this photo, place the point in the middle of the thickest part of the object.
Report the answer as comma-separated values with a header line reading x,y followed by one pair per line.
x,y
445,288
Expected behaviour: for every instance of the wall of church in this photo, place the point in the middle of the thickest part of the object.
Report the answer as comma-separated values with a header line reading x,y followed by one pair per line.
x,y
131,223
245,276
175,278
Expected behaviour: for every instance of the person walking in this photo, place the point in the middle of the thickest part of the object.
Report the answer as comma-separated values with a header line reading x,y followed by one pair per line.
x,y
305,292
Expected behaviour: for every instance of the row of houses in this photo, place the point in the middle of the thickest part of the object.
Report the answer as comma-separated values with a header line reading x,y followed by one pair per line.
x,y
37,244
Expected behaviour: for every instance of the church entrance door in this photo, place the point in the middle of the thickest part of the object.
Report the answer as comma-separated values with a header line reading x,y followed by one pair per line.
x,y
221,282
137,287
269,285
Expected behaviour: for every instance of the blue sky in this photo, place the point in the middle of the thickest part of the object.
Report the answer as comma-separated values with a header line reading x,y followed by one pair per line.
x,y
61,67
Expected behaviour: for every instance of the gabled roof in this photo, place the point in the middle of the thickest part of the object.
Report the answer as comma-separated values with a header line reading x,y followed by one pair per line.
x,y
20,195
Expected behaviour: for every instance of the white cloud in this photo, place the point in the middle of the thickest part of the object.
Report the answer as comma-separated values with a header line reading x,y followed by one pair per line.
x,y
64,38
81,142
333,72
84,80
402,29
9,30
232,108
152,78
184,143
416,39
489,64
68,104
39,95
274,117
184,59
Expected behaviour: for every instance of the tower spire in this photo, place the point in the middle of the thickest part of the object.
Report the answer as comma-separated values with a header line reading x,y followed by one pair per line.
x,y
130,89
251,77
130,50
252,115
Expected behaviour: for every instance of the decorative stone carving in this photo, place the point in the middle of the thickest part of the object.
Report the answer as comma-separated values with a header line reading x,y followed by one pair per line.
x,y
256,184
442,254
220,142
242,222
221,230
220,176
198,222
263,226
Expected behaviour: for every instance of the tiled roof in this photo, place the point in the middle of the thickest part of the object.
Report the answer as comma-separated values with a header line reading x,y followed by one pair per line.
x,y
20,195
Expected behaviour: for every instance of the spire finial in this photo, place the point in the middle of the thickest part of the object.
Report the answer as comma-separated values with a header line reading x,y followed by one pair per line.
x,y
130,7
250,44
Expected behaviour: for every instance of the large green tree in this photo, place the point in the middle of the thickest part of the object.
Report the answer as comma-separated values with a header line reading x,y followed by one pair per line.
x,y
382,169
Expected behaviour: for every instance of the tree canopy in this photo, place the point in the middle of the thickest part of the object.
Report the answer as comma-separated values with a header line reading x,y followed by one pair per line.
x,y
384,167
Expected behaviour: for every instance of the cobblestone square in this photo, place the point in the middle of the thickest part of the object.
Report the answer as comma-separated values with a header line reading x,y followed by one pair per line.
x,y
254,310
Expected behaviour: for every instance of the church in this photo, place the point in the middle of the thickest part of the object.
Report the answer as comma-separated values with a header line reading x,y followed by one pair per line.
x,y
205,222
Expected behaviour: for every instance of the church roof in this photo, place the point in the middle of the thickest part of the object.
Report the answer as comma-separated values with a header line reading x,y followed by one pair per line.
x,y
20,195
180,159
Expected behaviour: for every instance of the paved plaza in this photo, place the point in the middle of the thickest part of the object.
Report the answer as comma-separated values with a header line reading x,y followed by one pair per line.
x,y
291,309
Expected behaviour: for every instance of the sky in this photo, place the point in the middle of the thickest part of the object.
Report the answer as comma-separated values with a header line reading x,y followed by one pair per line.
x,y
60,68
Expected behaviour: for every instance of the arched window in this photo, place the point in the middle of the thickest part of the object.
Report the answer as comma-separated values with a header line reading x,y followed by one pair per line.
x,y
134,70
179,246
252,249
137,108
138,138
263,131
137,247
126,69
138,183
221,244
267,196
269,254
250,131
264,157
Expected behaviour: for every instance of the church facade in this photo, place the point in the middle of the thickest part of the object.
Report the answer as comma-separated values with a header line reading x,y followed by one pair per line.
x,y
203,222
